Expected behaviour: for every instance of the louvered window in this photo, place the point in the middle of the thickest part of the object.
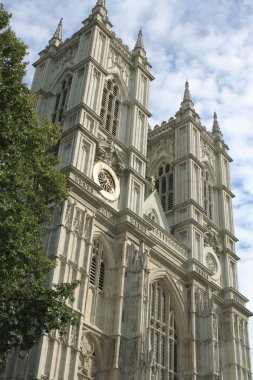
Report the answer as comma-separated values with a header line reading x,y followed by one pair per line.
x,y
163,335
61,100
207,194
164,185
97,268
110,107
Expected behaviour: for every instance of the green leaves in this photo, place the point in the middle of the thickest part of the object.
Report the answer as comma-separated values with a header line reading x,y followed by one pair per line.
x,y
28,184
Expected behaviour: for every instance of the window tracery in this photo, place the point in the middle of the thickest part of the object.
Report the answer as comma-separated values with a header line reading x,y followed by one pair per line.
x,y
110,107
61,100
87,366
163,336
97,268
164,184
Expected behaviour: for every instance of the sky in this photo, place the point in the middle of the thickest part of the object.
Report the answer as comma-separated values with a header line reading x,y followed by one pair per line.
x,y
209,43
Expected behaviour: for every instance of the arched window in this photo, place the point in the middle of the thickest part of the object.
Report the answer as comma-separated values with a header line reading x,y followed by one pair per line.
x,y
109,112
163,336
61,100
97,268
207,194
164,184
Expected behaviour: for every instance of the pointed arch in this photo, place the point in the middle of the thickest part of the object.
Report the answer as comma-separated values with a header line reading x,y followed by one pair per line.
x,y
102,283
108,255
160,160
62,90
210,169
59,79
110,109
177,300
90,356
120,82
167,326
163,173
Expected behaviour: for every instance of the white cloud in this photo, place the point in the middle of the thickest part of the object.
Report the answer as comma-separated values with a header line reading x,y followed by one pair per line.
x,y
209,43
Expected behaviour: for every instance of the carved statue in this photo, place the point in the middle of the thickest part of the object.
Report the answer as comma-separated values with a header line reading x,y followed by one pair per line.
x,y
107,152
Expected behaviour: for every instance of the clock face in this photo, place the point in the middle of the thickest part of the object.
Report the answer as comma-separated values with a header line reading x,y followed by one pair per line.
x,y
105,177
106,181
211,263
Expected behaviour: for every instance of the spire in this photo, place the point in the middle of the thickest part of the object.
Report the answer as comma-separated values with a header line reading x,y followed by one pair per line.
x,y
187,106
216,128
57,37
187,95
187,100
139,43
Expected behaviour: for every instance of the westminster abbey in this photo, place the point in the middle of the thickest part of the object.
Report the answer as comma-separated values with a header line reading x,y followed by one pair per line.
x,y
147,229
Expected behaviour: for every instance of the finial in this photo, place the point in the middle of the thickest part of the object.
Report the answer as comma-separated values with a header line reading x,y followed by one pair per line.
x,y
100,8
216,128
187,103
57,37
187,95
101,3
58,32
139,43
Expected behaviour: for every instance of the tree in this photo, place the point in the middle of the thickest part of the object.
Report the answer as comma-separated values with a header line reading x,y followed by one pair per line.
x,y
28,184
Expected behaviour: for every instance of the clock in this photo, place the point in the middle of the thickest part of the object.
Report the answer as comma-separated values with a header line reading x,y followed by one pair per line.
x,y
212,262
105,177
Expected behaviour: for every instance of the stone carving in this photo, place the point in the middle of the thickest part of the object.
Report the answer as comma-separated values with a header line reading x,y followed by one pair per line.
x,y
87,358
204,303
161,147
151,184
69,214
215,326
132,258
73,337
78,221
211,239
87,228
107,152
68,59
116,61
211,263
83,184
106,213
207,154
137,257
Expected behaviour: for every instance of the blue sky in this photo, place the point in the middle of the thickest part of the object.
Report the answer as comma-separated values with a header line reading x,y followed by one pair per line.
x,y
210,44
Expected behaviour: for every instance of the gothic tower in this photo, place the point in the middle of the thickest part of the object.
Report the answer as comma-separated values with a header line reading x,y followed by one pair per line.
x,y
147,228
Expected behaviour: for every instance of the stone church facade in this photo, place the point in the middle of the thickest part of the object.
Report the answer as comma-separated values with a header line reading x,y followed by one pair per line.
x,y
147,229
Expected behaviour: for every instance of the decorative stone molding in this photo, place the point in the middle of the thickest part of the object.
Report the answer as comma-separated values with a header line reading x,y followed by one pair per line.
x,y
164,145
108,153
207,153
87,358
105,177
137,257
204,303
212,240
116,61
